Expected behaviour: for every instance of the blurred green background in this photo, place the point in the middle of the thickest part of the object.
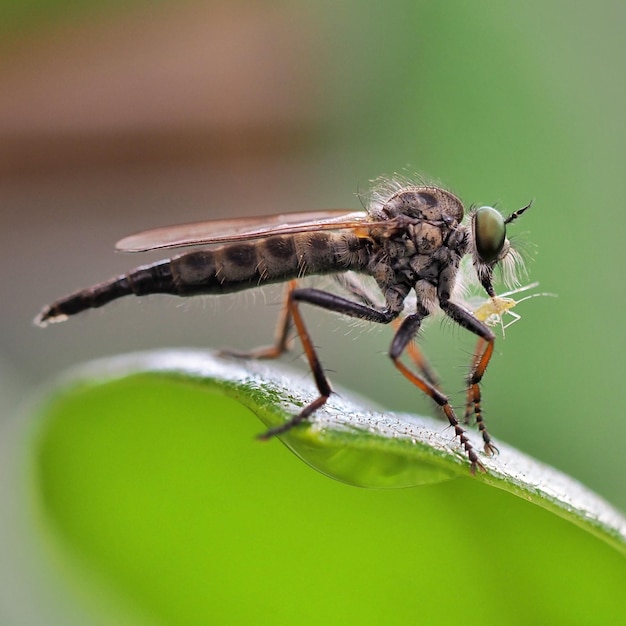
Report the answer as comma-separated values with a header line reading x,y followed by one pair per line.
x,y
134,115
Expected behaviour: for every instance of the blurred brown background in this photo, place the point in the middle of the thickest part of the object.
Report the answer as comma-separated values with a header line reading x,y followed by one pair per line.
x,y
132,119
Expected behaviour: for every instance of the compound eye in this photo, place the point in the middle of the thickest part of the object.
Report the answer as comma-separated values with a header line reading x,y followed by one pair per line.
x,y
489,233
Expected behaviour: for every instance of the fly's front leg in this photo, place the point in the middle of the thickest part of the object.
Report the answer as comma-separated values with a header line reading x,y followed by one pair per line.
x,y
480,361
405,333
330,302
282,335
472,403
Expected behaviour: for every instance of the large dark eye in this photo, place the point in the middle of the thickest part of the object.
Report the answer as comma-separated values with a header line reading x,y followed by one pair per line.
x,y
489,233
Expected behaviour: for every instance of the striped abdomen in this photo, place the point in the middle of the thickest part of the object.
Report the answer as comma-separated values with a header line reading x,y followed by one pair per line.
x,y
225,269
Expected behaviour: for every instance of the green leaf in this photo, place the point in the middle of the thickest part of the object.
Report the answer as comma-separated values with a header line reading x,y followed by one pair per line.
x,y
151,500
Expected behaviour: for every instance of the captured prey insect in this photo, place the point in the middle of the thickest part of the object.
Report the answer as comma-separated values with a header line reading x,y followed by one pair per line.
x,y
493,310
410,240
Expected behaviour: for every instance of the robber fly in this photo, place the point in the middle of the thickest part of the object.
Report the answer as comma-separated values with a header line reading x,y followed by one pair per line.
x,y
410,240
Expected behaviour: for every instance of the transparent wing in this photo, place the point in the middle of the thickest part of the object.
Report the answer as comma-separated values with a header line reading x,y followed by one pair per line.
x,y
242,229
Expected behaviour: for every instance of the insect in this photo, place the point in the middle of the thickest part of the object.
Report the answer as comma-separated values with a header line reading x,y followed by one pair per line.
x,y
410,240
493,310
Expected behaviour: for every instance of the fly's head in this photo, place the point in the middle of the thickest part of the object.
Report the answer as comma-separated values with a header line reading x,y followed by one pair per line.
x,y
490,246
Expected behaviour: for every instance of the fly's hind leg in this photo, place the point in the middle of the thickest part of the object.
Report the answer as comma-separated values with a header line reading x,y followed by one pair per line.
x,y
403,336
330,302
405,333
283,338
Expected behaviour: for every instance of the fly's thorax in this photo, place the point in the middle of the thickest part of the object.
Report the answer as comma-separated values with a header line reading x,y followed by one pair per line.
x,y
423,203
427,237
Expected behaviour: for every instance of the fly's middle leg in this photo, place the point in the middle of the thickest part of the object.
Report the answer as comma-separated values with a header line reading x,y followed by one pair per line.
x,y
420,361
283,337
405,333
355,288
